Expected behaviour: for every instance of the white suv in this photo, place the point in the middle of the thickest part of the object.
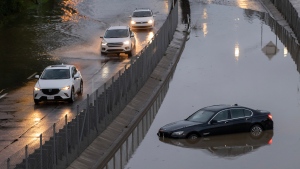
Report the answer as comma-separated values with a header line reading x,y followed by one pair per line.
x,y
118,39
142,19
58,82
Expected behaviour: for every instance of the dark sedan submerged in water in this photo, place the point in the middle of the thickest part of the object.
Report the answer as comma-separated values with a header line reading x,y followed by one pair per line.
x,y
219,119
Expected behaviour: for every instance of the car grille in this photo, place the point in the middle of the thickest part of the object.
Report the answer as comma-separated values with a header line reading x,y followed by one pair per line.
x,y
50,91
115,50
141,22
118,44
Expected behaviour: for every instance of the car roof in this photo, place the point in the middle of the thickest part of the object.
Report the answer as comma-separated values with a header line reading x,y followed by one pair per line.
x,y
59,67
216,108
142,9
117,27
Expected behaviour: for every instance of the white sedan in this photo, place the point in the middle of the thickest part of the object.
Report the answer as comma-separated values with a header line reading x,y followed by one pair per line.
x,y
58,82
142,18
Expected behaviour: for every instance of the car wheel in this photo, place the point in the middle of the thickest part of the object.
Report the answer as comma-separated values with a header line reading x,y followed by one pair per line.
x,y
36,101
80,89
72,97
192,138
256,130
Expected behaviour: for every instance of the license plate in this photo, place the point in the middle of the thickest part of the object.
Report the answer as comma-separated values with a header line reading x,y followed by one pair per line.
x,y
50,97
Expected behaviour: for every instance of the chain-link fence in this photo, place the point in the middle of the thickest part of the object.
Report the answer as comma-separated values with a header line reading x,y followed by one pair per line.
x,y
62,143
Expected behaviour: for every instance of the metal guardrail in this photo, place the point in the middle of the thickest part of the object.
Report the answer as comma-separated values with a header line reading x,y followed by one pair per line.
x,y
62,143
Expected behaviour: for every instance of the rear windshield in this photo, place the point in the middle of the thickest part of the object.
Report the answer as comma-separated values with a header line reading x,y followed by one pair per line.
x,y
142,14
49,74
116,33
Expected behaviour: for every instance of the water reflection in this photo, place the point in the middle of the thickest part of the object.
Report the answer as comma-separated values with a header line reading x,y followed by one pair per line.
x,y
236,51
226,146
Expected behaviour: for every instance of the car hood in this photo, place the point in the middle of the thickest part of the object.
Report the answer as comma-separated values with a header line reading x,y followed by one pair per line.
x,y
141,19
178,125
50,84
115,40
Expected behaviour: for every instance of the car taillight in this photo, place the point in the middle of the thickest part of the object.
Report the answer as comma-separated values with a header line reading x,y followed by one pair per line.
x,y
270,117
270,142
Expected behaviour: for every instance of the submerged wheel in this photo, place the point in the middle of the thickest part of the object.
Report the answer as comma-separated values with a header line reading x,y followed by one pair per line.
x,y
80,89
256,130
36,101
193,136
72,97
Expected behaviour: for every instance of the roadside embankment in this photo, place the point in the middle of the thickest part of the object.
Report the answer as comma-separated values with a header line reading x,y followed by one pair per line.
x,y
114,147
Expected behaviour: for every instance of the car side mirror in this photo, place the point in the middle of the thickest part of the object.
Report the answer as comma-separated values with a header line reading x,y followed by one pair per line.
x,y
154,15
213,121
37,76
76,76
132,35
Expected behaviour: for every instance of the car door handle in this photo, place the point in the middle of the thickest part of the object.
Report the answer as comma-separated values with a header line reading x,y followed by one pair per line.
x,y
226,122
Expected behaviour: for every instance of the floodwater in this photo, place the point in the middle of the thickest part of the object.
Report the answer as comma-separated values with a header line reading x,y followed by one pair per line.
x,y
68,32
232,56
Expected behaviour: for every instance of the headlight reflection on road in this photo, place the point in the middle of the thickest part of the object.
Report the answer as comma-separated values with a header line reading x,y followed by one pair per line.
x,y
236,51
204,28
150,36
285,52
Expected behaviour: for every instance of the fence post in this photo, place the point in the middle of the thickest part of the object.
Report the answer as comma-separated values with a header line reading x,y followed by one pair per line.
x,y
8,163
26,156
54,146
41,150
77,118
66,124
97,109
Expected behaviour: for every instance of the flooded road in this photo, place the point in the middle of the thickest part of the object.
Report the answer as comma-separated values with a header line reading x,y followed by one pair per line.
x,y
232,56
67,33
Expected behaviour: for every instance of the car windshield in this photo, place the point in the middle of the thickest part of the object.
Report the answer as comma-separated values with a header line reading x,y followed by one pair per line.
x,y
116,33
201,116
49,74
141,14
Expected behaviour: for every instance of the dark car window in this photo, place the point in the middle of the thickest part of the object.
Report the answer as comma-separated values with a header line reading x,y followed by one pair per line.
x,y
223,115
201,116
116,33
142,14
247,112
237,113
55,74
74,71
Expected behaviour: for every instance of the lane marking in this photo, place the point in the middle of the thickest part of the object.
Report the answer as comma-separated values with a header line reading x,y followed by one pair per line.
x,y
3,95
31,75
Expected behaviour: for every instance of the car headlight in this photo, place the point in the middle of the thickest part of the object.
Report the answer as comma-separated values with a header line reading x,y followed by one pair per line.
x,y
104,42
133,22
36,89
150,21
126,42
65,88
177,133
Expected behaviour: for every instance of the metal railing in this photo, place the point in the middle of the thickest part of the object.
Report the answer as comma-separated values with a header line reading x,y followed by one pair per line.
x,y
290,14
289,41
62,143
